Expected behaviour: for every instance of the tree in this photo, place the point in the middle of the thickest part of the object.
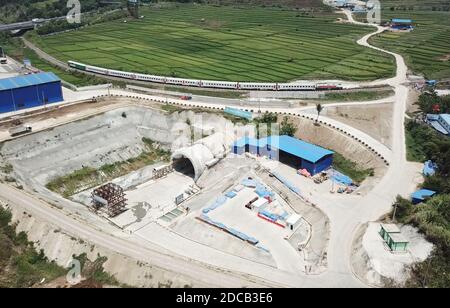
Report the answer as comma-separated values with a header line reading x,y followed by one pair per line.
x,y
428,101
319,109
266,119
287,127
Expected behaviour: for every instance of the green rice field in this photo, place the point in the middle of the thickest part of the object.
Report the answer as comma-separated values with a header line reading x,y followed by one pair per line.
x,y
226,43
427,48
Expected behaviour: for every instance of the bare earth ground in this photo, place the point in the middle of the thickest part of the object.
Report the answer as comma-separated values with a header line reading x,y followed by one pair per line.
x,y
375,264
375,120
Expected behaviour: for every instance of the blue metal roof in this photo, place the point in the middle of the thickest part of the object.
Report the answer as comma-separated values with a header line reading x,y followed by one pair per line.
x,y
239,113
432,117
300,148
445,117
422,194
291,145
437,126
429,168
401,21
27,80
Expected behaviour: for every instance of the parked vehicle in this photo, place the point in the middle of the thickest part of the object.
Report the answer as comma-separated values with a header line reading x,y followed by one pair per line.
x,y
19,130
3,59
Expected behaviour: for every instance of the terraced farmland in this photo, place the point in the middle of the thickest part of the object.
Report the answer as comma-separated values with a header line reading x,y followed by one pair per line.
x,y
226,43
427,48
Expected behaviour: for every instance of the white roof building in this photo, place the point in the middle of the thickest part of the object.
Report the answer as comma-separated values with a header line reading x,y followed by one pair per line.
x,y
260,204
293,221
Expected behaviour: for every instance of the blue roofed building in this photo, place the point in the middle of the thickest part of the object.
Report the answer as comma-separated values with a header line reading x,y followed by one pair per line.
x,y
422,195
444,120
29,91
288,150
401,24
340,3
239,113
429,168
440,122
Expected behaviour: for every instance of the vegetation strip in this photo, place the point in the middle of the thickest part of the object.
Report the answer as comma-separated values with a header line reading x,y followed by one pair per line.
x,y
266,44
89,177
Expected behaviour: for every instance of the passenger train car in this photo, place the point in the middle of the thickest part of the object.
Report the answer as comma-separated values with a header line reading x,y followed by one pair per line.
x,y
207,83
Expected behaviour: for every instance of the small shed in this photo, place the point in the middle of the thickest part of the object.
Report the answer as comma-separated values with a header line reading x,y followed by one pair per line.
x,y
387,229
260,204
402,24
422,195
393,238
397,242
293,221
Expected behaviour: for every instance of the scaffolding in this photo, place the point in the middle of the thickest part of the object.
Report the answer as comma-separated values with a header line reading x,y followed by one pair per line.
x,y
111,197
162,171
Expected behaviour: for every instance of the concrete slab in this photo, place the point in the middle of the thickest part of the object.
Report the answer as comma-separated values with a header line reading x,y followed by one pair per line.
x,y
151,200
210,236
235,215
384,263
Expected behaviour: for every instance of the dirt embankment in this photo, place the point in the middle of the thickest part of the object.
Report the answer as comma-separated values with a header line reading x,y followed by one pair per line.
x,y
351,149
60,247
374,120
329,138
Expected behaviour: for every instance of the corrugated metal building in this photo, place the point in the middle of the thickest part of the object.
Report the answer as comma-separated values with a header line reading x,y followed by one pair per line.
x,y
288,150
422,195
29,91
401,24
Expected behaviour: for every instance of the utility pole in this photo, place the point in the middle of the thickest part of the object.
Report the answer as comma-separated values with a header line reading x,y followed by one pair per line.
x,y
395,210
332,181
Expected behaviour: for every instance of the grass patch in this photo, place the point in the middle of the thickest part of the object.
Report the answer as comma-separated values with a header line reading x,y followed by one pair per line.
x,y
94,274
7,168
21,266
419,140
88,177
414,149
351,169
357,96
238,43
15,48
433,220
235,120
426,49
172,108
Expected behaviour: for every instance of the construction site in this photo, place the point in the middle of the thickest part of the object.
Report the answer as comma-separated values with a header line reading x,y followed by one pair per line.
x,y
168,163
174,179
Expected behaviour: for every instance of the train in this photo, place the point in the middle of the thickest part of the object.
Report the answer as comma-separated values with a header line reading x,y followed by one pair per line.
x,y
231,85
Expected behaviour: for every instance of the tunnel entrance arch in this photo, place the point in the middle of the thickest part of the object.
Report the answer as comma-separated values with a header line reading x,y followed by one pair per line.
x,y
196,156
184,165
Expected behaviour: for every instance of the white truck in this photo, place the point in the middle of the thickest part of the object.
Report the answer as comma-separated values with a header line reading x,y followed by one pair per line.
x,y
19,130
